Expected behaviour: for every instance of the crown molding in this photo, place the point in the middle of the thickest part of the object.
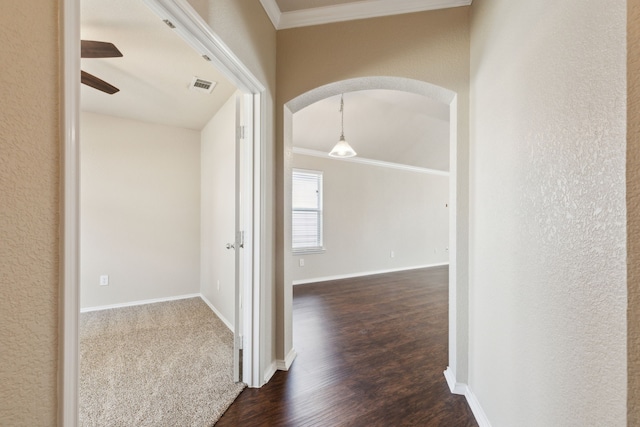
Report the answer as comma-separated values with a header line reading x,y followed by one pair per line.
x,y
351,11
371,162
273,11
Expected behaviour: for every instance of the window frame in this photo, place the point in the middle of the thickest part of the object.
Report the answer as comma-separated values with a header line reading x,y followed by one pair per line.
x,y
320,210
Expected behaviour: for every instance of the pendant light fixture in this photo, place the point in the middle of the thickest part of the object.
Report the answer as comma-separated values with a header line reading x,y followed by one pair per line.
x,y
342,149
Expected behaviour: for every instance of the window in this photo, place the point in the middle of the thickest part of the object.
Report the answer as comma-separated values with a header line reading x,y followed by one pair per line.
x,y
306,202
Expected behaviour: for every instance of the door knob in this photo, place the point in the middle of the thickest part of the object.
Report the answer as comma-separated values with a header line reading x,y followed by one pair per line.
x,y
230,246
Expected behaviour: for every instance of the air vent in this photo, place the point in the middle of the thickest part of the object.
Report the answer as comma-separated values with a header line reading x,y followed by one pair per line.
x,y
202,85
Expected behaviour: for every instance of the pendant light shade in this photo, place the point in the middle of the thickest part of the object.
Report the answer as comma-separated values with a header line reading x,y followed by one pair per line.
x,y
342,149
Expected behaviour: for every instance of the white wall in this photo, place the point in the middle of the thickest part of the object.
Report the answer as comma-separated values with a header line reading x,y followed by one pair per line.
x,y
140,210
370,211
218,210
547,288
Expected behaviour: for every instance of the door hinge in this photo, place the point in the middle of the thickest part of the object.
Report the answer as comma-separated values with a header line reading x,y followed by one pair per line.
x,y
240,239
240,342
242,131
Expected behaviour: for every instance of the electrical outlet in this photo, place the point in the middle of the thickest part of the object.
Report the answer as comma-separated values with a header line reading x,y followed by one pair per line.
x,y
392,254
301,262
104,280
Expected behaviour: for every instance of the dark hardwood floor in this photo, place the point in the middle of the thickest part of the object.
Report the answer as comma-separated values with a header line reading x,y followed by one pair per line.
x,y
371,352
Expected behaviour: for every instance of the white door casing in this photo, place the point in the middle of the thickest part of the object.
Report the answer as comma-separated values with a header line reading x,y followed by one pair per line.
x,y
243,243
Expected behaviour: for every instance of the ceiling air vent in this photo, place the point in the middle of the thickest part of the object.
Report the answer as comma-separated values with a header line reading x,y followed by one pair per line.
x,y
202,85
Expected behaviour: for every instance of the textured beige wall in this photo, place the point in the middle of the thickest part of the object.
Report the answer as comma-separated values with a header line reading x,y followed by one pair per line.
x,y
29,212
244,26
430,46
548,275
427,46
29,168
633,211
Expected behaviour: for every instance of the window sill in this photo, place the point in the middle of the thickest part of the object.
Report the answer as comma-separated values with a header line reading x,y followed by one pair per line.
x,y
308,251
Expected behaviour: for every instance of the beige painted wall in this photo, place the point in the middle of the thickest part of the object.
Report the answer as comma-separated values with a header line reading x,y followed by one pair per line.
x,y
370,211
29,212
29,187
218,161
430,46
547,277
140,210
633,211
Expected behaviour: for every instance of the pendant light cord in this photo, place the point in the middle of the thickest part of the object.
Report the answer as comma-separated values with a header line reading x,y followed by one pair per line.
x,y
342,149
342,115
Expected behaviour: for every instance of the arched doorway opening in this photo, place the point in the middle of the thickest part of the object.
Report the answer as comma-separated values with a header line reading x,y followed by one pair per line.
x,y
456,372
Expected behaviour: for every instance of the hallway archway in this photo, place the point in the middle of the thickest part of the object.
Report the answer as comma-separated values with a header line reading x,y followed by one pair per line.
x,y
456,372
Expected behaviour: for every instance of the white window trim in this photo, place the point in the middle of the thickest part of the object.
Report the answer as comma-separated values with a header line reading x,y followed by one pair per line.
x,y
315,249
306,251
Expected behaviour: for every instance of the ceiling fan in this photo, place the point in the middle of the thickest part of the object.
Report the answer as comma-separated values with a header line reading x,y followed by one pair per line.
x,y
94,49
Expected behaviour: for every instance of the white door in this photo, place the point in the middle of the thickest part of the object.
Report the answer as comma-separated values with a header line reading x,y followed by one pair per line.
x,y
243,244
225,239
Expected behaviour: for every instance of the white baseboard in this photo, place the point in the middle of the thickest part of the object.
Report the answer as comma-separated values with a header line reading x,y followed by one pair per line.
x,y
472,400
284,365
270,372
140,302
364,273
454,386
215,310
477,410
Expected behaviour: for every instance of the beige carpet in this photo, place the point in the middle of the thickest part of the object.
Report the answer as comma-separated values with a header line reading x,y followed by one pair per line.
x,y
165,364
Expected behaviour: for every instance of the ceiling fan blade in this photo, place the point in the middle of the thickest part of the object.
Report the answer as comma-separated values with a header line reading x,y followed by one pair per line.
x,y
96,83
94,49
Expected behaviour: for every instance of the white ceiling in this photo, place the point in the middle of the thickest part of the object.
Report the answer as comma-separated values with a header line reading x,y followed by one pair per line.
x,y
299,13
385,125
155,71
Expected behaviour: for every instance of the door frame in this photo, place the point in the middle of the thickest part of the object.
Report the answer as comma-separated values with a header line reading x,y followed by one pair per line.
x,y
243,240
192,27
